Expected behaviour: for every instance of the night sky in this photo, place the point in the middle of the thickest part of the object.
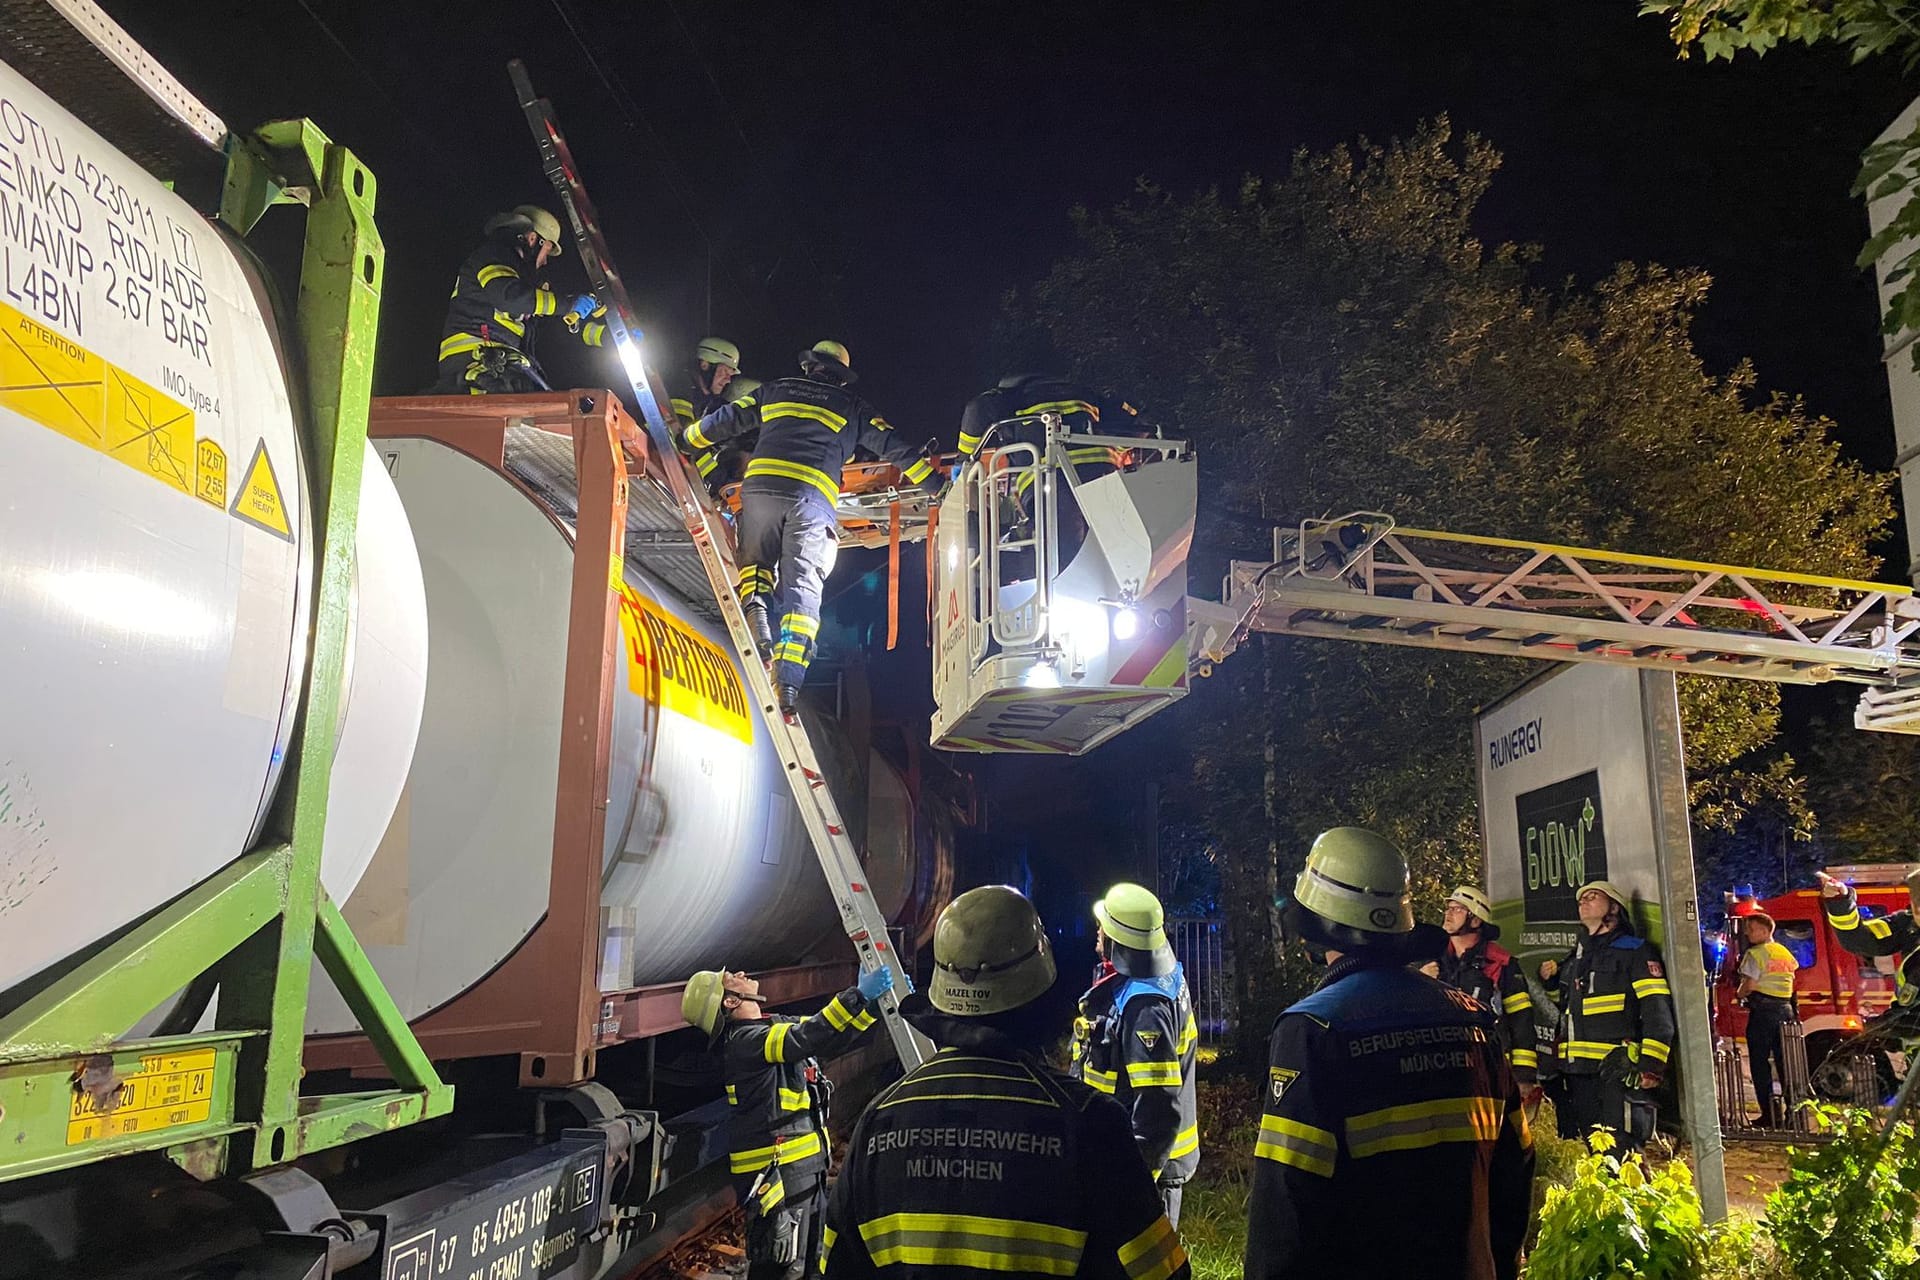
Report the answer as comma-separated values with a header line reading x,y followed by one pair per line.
x,y
885,173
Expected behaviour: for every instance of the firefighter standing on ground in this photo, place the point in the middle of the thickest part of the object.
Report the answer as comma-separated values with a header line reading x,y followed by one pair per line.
x,y
983,1160
809,427
1766,985
707,382
1616,1023
1394,1142
1136,1038
485,344
1476,964
1871,937
777,1103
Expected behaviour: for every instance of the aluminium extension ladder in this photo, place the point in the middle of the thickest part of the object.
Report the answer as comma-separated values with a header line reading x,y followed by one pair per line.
x,y
861,916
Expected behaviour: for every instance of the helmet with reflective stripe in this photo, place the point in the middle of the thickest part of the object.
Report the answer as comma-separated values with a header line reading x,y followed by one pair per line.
x,y
1476,903
990,954
718,351
701,1001
1358,879
828,356
1132,917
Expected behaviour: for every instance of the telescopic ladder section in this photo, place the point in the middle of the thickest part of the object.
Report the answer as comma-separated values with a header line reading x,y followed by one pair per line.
x,y
866,926
1361,577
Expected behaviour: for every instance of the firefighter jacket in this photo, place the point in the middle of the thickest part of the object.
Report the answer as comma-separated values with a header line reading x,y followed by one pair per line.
x,y
771,1082
1873,936
690,404
1488,972
1393,1141
809,431
1136,1039
495,298
1614,1000
1032,395
984,1161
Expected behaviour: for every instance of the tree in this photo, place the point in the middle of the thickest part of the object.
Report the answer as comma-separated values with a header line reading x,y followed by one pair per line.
x,y
1866,28
1866,783
1338,339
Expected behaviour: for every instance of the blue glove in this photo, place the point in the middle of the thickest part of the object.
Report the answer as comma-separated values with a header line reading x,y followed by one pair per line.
x,y
876,982
583,306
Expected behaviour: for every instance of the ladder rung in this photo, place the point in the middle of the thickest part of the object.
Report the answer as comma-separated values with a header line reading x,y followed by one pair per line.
x,y
1539,638
1481,633
1588,646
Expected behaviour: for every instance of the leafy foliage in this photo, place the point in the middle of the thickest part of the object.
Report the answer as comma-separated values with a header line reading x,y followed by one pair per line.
x,y
1888,169
1866,783
1339,339
1848,1207
1618,1219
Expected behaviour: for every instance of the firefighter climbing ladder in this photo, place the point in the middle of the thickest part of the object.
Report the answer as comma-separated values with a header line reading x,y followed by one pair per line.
x,y
1362,577
859,913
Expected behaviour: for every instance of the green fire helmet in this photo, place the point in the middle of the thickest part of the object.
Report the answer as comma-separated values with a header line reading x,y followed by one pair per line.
x,y
1132,917
1476,903
718,351
1607,887
741,387
1358,879
543,222
990,953
831,356
700,1003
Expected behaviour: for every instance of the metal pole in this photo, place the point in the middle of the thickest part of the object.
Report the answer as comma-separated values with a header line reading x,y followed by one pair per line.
x,y
1680,940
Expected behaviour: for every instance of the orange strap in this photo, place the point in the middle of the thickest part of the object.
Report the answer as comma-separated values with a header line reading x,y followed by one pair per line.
x,y
893,575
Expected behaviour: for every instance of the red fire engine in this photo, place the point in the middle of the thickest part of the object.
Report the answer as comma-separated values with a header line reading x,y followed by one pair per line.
x,y
1835,990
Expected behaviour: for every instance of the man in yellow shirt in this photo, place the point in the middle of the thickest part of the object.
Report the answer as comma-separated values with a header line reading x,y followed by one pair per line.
x,y
1766,985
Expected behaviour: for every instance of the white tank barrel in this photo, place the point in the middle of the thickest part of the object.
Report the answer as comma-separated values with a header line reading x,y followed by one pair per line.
x,y
706,860
156,558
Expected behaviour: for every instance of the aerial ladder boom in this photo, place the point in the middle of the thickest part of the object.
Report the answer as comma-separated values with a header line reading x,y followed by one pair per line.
x,y
1363,577
861,916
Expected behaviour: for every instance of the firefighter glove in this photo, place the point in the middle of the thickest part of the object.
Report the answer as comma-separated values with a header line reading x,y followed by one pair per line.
x,y
876,982
583,306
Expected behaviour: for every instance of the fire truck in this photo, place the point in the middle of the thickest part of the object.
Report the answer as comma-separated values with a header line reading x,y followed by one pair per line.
x,y
1837,992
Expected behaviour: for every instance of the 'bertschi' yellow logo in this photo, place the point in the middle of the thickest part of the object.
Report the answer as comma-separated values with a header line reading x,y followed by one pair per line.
x,y
673,667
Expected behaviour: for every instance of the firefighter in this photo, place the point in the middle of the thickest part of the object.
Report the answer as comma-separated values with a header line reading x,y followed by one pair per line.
x,y
1478,965
1016,403
1137,1040
707,382
984,1160
809,427
1616,1023
485,345
1393,1142
777,1106
1766,987
1874,936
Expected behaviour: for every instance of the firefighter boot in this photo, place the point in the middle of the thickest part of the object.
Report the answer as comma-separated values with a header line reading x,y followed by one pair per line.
x,y
760,626
789,698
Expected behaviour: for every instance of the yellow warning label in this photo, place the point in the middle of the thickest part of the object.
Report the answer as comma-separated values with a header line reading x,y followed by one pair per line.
x,y
149,430
210,473
50,378
168,1091
257,500
674,667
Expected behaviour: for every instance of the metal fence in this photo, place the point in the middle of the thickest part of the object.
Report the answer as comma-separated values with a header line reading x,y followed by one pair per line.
x,y
1199,942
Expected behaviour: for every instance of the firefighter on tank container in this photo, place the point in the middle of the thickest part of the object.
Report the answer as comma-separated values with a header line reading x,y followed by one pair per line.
x,y
983,1160
486,344
1137,1040
1616,1023
709,379
777,1106
1394,1142
810,427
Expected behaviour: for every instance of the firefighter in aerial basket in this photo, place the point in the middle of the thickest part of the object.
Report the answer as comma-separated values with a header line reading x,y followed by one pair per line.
x,y
810,427
1616,1023
983,1160
777,1101
1394,1142
486,344
1137,1040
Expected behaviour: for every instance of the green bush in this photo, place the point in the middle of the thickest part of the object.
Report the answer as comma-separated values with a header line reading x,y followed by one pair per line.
x,y
1615,1219
1847,1208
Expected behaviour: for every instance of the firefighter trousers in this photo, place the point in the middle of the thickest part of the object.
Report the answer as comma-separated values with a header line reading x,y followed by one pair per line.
x,y
803,1213
488,371
1605,1099
1766,1016
1170,1200
789,536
